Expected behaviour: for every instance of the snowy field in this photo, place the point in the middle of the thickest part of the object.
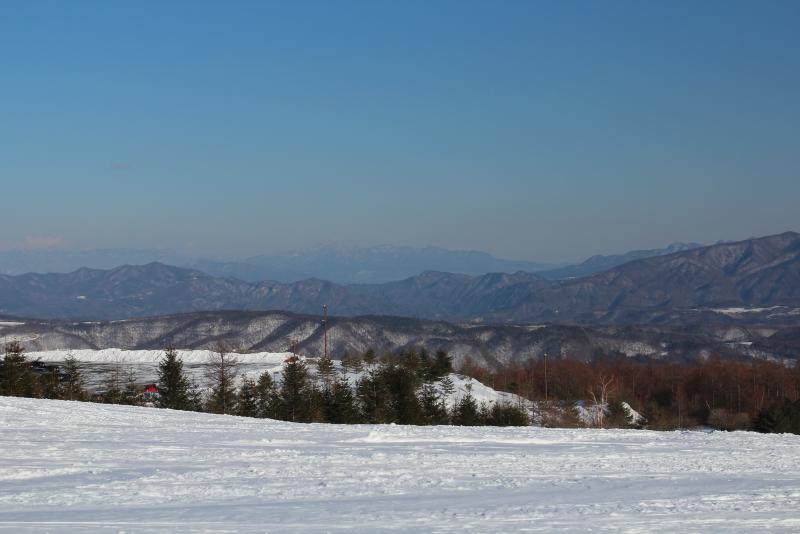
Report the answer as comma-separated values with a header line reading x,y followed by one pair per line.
x,y
79,467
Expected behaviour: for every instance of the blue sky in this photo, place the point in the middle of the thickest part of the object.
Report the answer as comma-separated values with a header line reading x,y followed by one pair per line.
x,y
532,130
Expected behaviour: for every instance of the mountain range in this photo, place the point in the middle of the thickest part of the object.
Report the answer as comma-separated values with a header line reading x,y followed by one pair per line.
x,y
487,345
761,275
600,263
339,264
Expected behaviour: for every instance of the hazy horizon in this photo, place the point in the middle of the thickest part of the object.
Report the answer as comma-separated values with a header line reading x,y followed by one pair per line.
x,y
196,254
537,131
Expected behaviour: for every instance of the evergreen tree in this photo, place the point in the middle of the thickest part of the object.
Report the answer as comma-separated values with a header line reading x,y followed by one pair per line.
x,y
424,370
344,406
411,360
506,414
16,377
297,396
466,411
373,399
442,364
434,411
195,395
221,375
447,385
401,384
247,404
369,359
173,386
73,387
782,418
325,369
356,363
267,401
618,416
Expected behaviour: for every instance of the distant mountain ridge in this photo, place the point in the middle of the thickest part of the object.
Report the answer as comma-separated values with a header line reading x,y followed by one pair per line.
x,y
762,272
360,265
345,265
600,263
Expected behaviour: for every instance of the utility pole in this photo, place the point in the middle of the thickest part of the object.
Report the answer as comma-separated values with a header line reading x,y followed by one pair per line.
x,y
325,327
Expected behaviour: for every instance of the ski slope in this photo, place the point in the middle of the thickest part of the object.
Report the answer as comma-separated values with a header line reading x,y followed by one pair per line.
x,y
80,467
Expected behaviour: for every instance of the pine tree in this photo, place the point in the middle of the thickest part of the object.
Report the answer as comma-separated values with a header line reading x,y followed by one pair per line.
x,y
73,385
344,402
447,385
325,369
247,404
296,394
424,370
369,358
401,384
434,412
411,360
173,386
466,411
506,414
195,395
781,418
442,364
267,402
221,373
356,363
373,399
16,377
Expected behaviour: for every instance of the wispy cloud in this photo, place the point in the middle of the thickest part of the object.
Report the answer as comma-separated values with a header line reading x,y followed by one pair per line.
x,y
41,242
120,166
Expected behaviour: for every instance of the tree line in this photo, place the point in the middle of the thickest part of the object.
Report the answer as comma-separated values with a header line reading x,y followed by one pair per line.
x,y
411,388
408,388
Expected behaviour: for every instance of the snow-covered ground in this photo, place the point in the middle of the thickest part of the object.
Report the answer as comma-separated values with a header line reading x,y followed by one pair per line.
x,y
79,467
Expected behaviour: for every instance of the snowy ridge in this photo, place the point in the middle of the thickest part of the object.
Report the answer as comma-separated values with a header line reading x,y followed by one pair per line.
x,y
82,467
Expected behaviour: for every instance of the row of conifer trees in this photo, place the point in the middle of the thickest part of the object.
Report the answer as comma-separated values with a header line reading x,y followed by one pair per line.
x,y
410,388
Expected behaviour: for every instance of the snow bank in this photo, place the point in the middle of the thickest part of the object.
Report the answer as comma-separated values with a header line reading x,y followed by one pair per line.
x,y
79,467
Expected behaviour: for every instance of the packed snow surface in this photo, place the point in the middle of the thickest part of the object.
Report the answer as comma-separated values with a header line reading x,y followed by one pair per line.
x,y
80,467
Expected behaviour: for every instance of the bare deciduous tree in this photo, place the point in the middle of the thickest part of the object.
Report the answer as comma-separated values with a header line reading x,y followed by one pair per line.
x,y
600,394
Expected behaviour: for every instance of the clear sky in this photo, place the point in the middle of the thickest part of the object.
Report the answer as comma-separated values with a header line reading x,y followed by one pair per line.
x,y
532,130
